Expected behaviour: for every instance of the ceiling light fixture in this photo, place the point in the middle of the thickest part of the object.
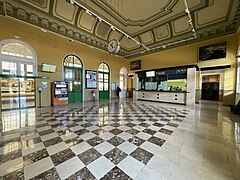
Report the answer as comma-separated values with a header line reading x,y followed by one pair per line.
x,y
88,12
114,28
43,30
194,36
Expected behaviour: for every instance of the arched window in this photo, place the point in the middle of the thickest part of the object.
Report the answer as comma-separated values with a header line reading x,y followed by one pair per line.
x,y
103,67
73,75
16,49
72,61
123,78
17,58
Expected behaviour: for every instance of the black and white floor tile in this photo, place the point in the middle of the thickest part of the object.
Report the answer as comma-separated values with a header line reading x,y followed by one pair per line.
x,y
91,141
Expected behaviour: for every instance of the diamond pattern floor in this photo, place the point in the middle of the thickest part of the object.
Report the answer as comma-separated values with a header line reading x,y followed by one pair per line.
x,y
89,142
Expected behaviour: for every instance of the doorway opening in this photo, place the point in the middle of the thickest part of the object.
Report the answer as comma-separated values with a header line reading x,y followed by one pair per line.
x,y
103,81
18,66
210,87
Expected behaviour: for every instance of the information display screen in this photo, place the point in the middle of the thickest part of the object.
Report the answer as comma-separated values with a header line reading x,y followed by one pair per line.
x,y
60,89
49,68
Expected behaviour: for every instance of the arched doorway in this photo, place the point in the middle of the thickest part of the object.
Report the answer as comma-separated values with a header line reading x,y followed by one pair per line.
x,y
73,75
123,82
17,59
103,81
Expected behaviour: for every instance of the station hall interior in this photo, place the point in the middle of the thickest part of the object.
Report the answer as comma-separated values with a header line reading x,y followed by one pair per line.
x,y
119,89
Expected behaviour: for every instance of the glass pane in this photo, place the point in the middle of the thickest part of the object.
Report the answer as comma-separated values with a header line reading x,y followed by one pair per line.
x,y
121,82
100,84
125,83
105,77
77,86
68,74
77,75
77,62
16,49
105,86
70,86
27,92
100,76
106,68
101,68
9,68
10,93
26,70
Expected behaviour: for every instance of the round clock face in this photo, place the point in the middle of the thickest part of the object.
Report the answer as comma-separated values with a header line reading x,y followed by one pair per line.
x,y
113,46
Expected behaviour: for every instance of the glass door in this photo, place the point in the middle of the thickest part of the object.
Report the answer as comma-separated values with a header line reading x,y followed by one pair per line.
x,y
10,93
73,77
27,92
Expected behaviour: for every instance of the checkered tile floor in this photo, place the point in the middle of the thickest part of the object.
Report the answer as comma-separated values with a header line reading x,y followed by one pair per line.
x,y
106,141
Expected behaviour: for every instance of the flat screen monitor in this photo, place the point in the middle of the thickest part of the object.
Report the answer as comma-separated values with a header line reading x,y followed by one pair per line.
x,y
49,68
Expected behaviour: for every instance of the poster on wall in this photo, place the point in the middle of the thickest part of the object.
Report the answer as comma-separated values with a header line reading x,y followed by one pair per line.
x,y
91,79
214,51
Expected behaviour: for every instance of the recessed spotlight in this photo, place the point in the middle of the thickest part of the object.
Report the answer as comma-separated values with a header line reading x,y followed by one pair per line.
x,y
112,28
71,40
43,30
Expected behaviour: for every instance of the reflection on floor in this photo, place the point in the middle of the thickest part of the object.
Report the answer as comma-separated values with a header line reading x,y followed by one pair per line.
x,y
120,140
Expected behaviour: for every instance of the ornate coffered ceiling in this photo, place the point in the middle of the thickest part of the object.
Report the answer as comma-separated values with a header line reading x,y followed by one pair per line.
x,y
158,24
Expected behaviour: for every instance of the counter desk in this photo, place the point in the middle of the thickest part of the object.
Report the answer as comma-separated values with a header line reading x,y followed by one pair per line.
x,y
178,97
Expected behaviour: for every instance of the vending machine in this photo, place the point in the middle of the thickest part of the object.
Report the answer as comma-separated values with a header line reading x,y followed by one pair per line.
x,y
59,93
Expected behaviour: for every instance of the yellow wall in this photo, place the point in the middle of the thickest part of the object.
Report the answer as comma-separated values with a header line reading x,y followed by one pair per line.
x,y
189,55
51,48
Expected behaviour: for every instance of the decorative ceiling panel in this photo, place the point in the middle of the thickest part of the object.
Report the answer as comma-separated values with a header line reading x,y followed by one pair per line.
x,y
216,12
129,44
162,32
156,24
115,35
86,22
102,30
147,37
40,4
64,11
181,25
139,13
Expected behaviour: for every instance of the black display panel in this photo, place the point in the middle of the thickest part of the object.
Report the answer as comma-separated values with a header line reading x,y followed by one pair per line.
x,y
214,51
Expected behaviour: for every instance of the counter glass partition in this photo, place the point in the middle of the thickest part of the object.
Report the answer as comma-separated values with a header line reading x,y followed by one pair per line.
x,y
168,80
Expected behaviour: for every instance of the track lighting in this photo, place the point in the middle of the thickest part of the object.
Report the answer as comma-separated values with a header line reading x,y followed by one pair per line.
x,y
70,1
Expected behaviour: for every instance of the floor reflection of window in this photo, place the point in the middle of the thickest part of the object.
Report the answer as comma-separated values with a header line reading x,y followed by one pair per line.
x,y
18,119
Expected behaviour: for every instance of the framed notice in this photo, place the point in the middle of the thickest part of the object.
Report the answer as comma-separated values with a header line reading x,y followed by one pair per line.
x,y
91,79
135,65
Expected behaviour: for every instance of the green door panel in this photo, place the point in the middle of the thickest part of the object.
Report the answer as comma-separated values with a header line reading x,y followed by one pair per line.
x,y
103,83
73,76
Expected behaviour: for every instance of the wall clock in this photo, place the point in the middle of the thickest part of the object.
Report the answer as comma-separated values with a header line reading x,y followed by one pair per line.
x,y
113,46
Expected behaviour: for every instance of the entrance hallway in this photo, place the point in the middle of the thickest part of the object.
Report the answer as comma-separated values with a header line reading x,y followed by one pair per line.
x,y
120,140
